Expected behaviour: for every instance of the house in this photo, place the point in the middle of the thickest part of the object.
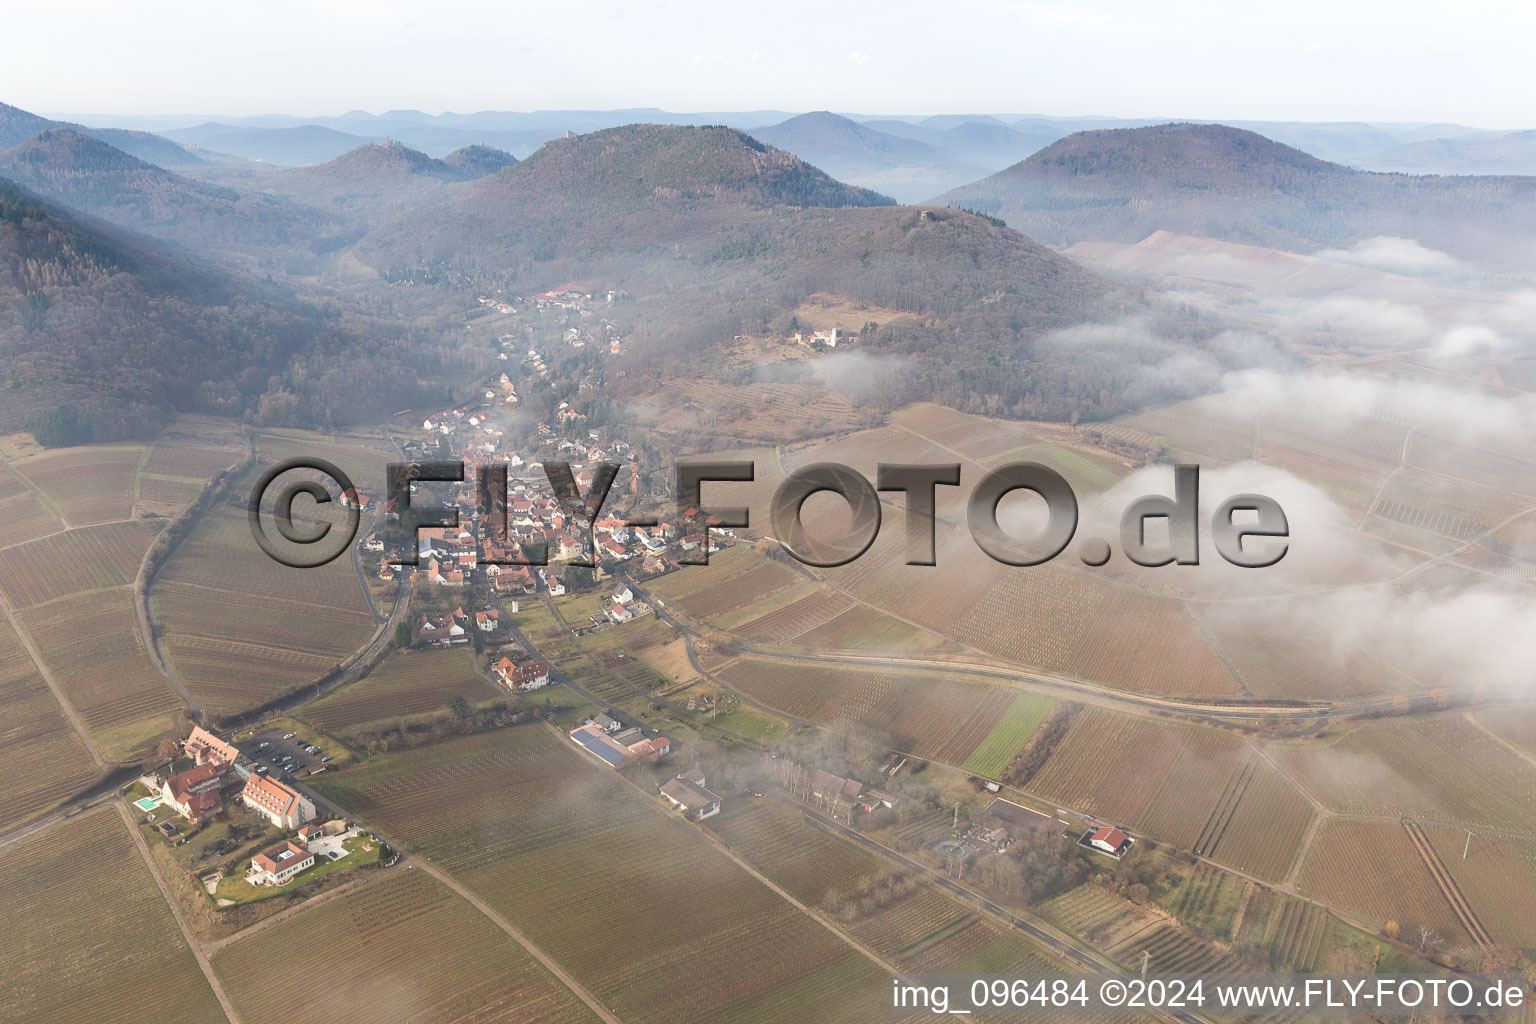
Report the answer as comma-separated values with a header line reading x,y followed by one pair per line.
x,y
619,613
690,796
194,794
623,595
204,747
281,863
833,792
607,723
530,675
1110,840
282,805
488,620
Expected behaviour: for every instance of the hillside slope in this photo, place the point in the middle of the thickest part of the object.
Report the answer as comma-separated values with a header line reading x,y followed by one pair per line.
x,y
87,174
716,235
906,168
1223,182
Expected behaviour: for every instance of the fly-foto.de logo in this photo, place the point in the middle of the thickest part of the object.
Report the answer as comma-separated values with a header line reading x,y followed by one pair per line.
x,y
1248,530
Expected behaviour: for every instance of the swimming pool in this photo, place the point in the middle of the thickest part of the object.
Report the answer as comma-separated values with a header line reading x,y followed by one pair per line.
x,y
147,803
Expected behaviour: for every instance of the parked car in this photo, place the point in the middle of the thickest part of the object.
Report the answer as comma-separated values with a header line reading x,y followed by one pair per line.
x,y
287,735
262,769
262,745
326,758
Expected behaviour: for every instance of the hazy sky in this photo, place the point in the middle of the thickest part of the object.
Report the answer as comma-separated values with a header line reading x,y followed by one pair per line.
x,y
1306,59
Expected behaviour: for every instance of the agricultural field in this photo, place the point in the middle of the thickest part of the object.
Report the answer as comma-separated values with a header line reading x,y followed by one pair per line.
x,y
184,458
1498,878
406,683
1277,655
1124,931
26,516
1008,737
1180,784
1067,620
1515,725
42,760
241,629
86,558
634,903
92,645
1371,868
107,947
938,718
404,945
87,485
809,864
928,931
1439,768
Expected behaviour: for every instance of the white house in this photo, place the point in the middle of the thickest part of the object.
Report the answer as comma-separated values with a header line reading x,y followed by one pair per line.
x,y
281,863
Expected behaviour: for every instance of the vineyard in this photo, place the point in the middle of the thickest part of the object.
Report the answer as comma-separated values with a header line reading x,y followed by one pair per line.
x,y
439,958
87,558
807,862
42,761
1125,931
1008,737
1442,768
937,718
790,620
26,516
1517,725
1371,868
1497,877
1280,656
1179,784
89,485
1292,931
1066,620
406,683
241,628
572,856
91,643
88,935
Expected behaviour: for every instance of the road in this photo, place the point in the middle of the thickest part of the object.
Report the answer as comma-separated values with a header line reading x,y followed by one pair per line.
x,y
1309,716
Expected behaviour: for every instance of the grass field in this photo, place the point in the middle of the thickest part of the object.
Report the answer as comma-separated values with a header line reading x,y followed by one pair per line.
x,y
635,904
405,947
42,760
89,936
1008,737
406,683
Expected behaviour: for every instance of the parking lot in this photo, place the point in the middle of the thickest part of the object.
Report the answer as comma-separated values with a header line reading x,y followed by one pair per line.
x,y
283,758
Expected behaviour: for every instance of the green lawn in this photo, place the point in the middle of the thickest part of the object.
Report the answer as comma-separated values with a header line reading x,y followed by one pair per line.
x,y
235,888
1005,741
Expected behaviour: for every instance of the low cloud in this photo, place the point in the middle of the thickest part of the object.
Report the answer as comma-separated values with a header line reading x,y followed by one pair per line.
x,y
1397,256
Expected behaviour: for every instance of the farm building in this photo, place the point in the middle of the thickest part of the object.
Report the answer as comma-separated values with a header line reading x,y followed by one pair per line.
x,y
615,750
1109,840
687,794
280,863
282,805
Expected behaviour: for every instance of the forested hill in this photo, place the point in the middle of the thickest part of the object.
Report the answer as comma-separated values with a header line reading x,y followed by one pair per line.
x,y
104,336
87,174
1222,182
717,235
